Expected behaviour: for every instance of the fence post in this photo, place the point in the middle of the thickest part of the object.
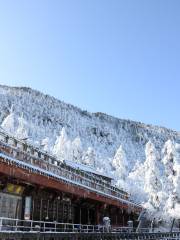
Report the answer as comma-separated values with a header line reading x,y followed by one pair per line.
x,y
16,225
31,225
55,227
44,226
1,221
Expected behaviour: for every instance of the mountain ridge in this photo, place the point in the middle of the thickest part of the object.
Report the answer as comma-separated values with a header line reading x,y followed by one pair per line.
x,y
138,156
29,89
45,116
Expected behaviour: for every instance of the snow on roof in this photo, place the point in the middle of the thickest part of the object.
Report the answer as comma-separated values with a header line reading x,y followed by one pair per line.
x,y
85,168
72,164
40,170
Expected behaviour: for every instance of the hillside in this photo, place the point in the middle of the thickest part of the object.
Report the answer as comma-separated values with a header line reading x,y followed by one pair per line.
x,y
45,117
41,118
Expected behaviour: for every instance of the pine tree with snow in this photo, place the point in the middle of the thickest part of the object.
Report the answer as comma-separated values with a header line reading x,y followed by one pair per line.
x,y
21,132
136,183
9,123
89,158
173,201
45,144
120,164
168,162
62,146
169,195
76,148
152,184
176,181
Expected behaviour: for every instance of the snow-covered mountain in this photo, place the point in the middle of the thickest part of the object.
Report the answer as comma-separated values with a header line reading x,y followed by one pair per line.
x,y
45,116
49,123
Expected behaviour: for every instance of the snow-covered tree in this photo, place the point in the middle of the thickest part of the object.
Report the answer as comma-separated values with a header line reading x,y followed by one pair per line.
x,y
62,146
120,164
169,196
168,162
45,144
176,181
9,123
89,157
152,183
135,183
173,202
76,149
21,131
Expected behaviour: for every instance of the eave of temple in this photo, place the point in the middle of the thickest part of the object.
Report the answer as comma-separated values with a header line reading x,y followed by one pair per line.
x,y
30,177
29,165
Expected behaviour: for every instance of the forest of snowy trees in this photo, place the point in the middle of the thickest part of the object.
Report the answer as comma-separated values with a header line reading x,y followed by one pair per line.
x,y
142,159
158,181
154,182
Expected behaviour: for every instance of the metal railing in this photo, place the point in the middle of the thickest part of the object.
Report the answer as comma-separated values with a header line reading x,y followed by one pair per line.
x,y
11,227
10,224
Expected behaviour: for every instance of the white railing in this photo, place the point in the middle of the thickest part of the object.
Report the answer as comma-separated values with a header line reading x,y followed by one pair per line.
x,y
9,224
18,225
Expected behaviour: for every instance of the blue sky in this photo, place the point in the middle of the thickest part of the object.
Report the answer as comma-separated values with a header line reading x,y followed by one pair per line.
x,y
121,57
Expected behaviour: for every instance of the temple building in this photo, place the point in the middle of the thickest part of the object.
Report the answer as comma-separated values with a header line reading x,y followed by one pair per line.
x,y
34,185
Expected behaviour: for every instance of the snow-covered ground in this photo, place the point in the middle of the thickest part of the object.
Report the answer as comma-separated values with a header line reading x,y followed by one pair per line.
x,y
143,159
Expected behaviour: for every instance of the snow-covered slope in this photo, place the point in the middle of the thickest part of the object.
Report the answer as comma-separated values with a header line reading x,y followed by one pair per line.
x,y
45,117
30,114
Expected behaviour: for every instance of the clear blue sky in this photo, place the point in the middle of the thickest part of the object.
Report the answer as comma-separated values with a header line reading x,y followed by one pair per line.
x,y
121,57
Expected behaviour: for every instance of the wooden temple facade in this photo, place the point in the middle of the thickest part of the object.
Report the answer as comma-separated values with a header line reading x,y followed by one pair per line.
x,y
36,186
